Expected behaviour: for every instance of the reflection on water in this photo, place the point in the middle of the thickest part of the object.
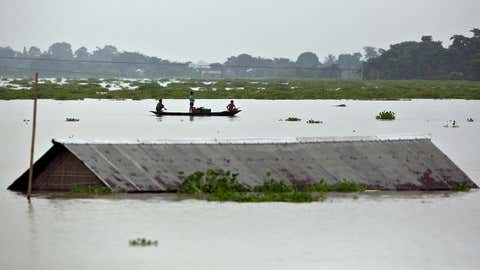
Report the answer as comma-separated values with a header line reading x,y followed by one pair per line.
x,y
370,231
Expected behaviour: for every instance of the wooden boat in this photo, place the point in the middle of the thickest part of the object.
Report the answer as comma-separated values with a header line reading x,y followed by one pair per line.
x,y
224,113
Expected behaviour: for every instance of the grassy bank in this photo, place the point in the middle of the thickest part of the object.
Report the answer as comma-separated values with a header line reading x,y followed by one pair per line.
x,y
249,89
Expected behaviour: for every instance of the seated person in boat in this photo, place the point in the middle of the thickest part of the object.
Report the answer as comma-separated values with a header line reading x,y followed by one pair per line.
x,y
160,106
231,106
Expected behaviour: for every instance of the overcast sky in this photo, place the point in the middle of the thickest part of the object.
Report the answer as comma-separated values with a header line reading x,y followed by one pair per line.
x,y
212,30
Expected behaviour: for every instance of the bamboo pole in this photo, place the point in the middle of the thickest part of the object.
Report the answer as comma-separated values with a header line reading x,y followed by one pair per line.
x,y
34,124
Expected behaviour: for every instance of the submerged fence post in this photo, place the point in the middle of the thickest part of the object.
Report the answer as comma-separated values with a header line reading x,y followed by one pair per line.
x,y
34,124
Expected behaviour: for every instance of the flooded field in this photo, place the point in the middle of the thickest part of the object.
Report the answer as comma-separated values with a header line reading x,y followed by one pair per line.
x,y
371,231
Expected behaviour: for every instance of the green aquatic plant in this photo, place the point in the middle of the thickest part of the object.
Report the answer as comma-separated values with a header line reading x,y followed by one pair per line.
x,y
91,190
293,119
142,242
311,121
293,197
460,187
94,190
470,120
68,119
307,89
386,115
211,181
223,186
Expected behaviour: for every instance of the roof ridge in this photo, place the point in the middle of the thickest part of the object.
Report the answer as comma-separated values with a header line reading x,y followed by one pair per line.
x,y
250,140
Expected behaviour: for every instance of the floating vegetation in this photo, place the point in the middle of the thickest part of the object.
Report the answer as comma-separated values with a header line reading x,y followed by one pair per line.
x,y
386,115
293,119
311,121
307,89
470,120
72,119
94,190
293,197
460,187
223,186
142,242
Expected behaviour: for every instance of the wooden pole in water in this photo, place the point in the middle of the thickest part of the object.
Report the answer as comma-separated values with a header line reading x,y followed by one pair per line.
x,y
34,124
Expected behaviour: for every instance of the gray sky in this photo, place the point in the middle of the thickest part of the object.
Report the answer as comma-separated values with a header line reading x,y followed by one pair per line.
x,y
212,30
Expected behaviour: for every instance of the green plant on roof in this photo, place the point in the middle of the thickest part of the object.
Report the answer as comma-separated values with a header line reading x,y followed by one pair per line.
x,y
470,119
223,186
460,187
386,115
68,119
91,190
95,190
293,119
311,121
142,242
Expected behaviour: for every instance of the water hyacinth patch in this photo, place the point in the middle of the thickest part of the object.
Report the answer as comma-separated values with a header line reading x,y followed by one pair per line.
x,y
68,119
460,187
91,190
223,186
386,115
311,121
293,119
142,242
470,120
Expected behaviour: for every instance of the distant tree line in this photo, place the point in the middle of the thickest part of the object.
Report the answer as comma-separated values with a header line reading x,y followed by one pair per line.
x,y
427,60
60,60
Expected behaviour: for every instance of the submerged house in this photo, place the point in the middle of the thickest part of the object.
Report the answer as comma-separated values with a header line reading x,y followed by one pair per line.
x,y
386,164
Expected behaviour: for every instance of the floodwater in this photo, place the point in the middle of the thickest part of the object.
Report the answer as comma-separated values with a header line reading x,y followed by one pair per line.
x,y
371,231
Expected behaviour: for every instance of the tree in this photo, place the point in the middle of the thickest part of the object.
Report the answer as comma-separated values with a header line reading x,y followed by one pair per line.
x,y
106,53
330,60
7,52
61,50
349,61
476,32
34,52
370,52
308,60
427,39
410,60
82,53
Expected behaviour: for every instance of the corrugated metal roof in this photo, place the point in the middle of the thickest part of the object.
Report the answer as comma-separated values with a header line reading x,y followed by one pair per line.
x,y
382,163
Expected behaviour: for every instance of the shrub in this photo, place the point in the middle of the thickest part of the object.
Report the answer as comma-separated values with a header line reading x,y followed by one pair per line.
x,y
223,186
386,115
460,187
311,121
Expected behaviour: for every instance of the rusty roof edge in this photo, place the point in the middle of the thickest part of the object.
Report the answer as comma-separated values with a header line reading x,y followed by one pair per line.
x,y
247,140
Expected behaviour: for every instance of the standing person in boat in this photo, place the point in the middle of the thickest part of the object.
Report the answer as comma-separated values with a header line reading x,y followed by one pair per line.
x,y
160,106
231,107
192,101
